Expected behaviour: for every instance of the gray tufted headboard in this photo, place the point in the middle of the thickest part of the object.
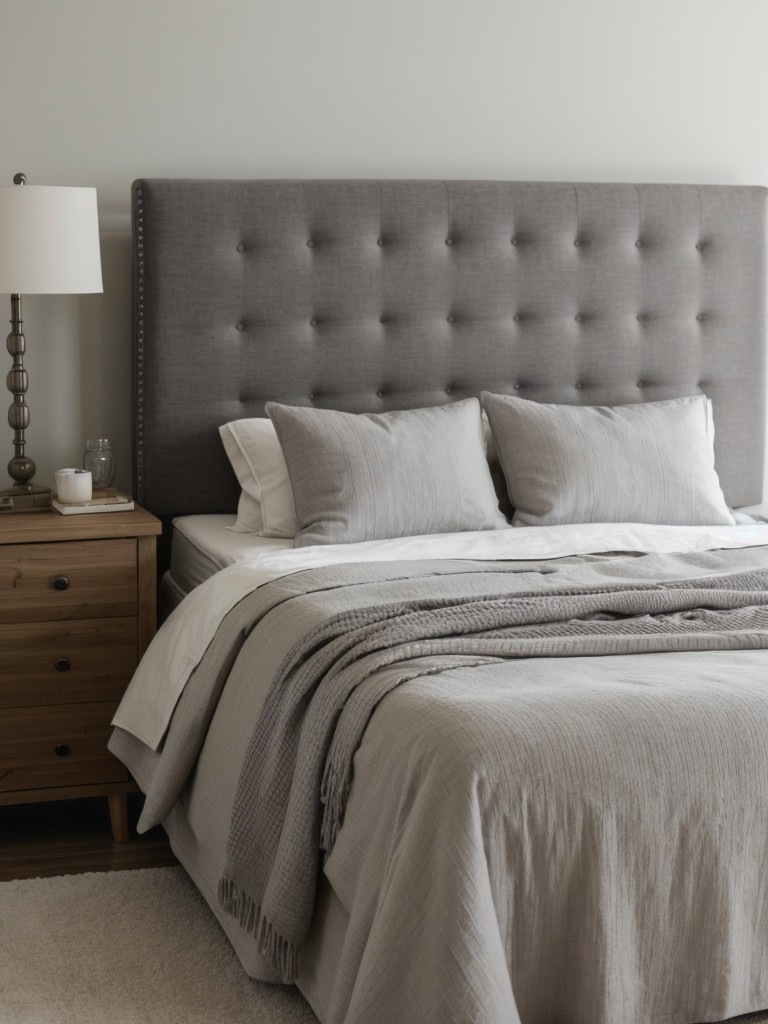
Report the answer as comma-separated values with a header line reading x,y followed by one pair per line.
x,y
368,295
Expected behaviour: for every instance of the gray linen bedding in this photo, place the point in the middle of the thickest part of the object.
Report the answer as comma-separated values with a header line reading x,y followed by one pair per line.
x,y
539,823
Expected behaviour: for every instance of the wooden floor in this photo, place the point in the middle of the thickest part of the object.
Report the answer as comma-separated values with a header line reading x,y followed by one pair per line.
x,y
72,836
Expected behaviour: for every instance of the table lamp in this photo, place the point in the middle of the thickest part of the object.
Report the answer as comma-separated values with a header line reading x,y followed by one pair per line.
x,y
49,244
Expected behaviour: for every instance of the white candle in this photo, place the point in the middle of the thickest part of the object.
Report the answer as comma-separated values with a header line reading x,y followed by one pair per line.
x,y
73,486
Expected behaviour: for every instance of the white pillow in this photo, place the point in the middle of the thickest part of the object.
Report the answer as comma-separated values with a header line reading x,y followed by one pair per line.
x,y
248,515
266,501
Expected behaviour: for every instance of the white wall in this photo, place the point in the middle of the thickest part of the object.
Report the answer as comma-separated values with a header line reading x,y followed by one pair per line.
x,y
99,92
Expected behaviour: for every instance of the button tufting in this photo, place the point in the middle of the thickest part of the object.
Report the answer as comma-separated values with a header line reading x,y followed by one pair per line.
x,y
313,322
241,247
641,383
578,318
449,241
700,246
638,244
311,396
577,242
640,316
516,317
515,387
383,319
379,241
379,394
700,316
240,326
449,389
451,318
514,240
578,385
311,243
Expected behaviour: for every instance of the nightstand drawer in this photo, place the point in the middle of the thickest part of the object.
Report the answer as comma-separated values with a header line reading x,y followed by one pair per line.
x,y
66,663
62,746
68,580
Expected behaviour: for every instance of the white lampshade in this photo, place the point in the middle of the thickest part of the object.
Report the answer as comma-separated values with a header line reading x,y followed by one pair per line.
x,y
49,240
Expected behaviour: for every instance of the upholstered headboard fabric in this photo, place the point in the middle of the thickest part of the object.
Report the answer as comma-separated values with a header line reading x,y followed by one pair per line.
x,y
377,295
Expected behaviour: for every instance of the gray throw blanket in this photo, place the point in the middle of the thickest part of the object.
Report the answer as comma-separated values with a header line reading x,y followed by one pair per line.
x,y
294,783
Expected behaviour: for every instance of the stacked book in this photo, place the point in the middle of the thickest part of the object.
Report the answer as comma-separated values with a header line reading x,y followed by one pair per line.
x,y
106,500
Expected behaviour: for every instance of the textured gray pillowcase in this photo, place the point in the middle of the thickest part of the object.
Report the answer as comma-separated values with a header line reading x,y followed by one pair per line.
x,y
647,463
370,476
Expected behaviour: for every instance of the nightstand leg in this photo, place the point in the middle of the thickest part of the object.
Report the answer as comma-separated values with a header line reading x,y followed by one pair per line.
x,y
118,816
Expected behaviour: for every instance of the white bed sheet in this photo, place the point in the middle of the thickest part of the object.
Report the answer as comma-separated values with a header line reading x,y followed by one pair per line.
x,y
204,544
180,643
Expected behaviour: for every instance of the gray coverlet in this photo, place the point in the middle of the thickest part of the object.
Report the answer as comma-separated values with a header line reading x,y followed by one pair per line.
x,y
390,624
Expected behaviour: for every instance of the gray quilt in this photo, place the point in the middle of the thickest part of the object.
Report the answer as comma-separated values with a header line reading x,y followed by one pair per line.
x,y
296,778
522,820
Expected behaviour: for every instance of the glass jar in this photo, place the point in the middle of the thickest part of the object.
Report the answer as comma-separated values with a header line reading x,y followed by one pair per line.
x,y
100,459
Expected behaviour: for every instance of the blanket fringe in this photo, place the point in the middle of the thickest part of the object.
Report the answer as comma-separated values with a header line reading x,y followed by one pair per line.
x,y
334,792
280,952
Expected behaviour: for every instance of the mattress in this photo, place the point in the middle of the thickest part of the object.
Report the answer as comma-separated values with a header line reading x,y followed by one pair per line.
x,y
202,545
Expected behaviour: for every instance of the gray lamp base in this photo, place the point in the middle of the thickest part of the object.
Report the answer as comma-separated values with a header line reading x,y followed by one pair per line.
x,y
25,498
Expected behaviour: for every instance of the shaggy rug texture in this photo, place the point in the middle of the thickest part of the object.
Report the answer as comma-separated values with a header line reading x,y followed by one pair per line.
x,y
126,947
131,947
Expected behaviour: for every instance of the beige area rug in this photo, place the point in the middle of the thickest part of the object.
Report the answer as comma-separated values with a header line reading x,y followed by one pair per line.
x,y
126,947
131,947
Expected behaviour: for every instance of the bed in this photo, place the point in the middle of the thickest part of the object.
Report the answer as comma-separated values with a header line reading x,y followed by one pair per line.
x,y
474,771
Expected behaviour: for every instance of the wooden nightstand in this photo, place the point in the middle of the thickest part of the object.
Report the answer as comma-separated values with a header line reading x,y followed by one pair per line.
x,y
77,611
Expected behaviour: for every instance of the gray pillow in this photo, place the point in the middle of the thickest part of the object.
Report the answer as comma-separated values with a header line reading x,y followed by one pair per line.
x,y
370,476
647,463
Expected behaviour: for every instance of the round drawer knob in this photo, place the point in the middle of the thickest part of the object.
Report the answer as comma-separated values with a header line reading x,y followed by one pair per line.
x,y
60,582
62,664
61,749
